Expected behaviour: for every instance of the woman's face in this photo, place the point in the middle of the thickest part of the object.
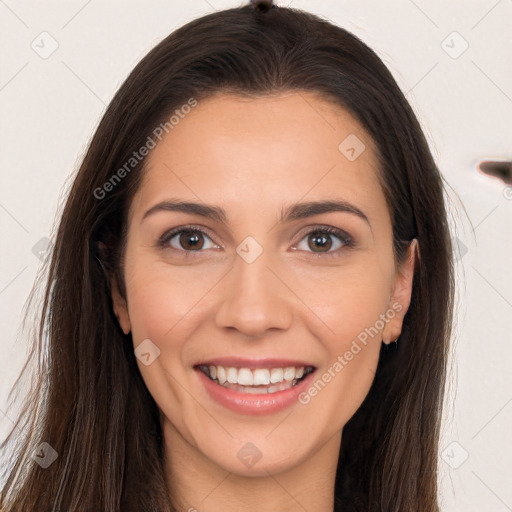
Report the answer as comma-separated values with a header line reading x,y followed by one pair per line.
x,y
257,292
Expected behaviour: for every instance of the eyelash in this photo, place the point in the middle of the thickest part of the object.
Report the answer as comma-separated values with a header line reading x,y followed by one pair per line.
x,y
347,240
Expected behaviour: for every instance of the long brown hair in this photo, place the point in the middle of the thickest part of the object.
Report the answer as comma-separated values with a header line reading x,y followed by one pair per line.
x,y
89,402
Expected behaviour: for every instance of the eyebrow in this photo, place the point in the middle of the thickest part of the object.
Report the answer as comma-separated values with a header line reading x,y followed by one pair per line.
x,y
292,212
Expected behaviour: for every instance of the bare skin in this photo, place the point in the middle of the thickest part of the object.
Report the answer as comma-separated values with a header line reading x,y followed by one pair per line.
x,y
298,299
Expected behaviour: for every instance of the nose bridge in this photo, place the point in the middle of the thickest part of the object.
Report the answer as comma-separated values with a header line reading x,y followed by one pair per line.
x,y
253,299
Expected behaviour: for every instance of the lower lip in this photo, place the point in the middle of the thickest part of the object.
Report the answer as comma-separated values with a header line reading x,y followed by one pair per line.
x,y
246,403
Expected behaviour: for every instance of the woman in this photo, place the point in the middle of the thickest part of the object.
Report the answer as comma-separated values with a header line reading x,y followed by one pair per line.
x,y
250,295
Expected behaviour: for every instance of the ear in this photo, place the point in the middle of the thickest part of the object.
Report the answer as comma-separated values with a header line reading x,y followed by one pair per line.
x,y
119,304
120,308
401,293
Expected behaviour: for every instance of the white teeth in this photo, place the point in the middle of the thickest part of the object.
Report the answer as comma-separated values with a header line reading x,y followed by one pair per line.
x,y
276,375
245,377
261,377
256,377
221,374
261,390
232,375
289,373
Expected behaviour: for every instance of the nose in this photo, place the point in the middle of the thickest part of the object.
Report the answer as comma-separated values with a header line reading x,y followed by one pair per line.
x,y
255,298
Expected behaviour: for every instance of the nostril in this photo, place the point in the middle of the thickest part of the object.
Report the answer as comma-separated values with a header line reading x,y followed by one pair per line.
x,y
500,170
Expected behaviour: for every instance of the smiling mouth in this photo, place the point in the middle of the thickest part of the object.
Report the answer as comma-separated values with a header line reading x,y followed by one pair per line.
x,y
259,381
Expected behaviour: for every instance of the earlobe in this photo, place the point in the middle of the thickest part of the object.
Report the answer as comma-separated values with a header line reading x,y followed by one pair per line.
x,y
120,309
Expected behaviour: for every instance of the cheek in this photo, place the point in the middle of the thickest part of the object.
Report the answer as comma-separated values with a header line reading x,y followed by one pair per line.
x,y
149,307
166,306
157,297
161,312
351,303
347,299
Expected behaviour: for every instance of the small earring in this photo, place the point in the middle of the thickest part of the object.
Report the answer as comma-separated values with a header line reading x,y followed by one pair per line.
x,y
392,346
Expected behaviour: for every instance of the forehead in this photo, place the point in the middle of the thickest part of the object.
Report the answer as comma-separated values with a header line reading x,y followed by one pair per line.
x,y
243,151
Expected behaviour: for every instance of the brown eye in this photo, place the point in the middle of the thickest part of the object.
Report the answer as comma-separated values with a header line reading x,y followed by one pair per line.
x,y
187,240
327,239
191,240
319,241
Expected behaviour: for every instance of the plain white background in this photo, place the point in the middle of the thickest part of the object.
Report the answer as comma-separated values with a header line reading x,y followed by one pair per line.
x,y
452,60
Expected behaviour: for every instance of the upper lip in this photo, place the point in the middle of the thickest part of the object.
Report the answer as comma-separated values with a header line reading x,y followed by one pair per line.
x,y
240,362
